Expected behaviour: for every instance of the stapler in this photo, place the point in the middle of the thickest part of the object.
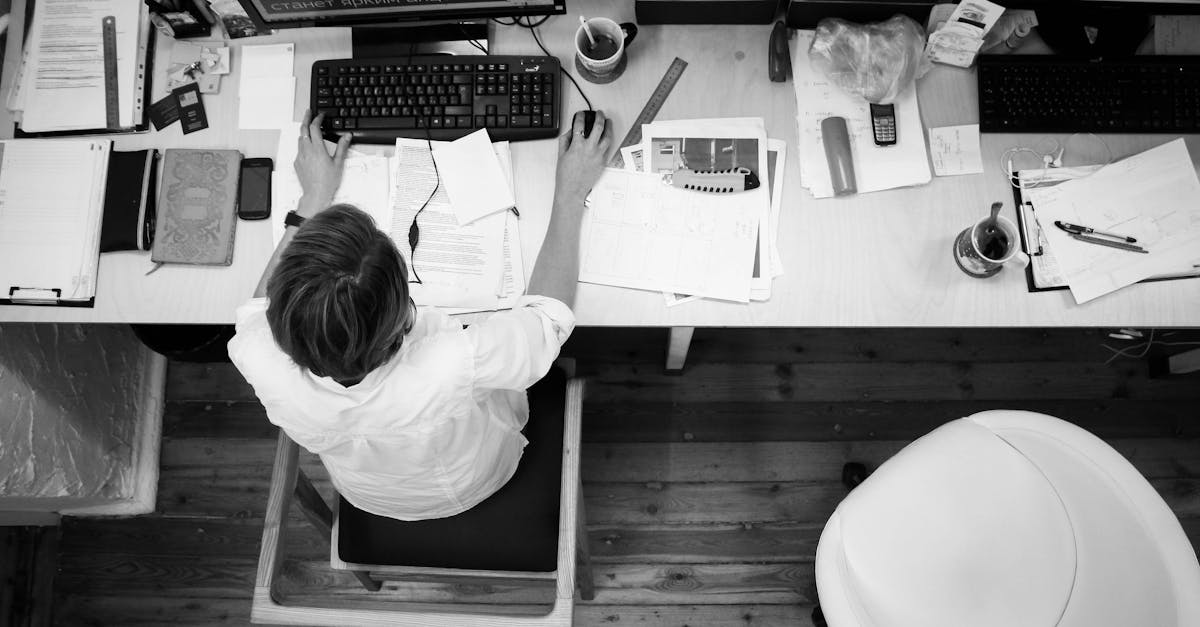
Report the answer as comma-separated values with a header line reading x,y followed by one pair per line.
x,y
779,56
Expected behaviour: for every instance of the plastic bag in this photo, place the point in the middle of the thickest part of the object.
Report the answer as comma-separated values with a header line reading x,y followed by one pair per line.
x,y
876,61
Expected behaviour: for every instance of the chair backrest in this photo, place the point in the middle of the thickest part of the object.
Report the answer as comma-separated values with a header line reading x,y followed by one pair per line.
x,y
1006,518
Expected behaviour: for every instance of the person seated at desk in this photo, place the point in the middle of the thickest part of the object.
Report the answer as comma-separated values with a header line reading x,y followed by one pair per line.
x,y
414,415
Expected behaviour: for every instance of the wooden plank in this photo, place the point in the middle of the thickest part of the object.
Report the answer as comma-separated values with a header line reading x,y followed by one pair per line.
x,y
658,421
190,381
224,419
705,583
669,421
45,562
700,544
857,382
691,503
109,574
709,345
781,615
196,537
817,461
155,611
151,610
12,566
223,452
596,349
615,583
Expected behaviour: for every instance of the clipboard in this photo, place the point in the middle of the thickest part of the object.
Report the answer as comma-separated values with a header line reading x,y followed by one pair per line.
x,y
50,232
1039,275
42,296
141,86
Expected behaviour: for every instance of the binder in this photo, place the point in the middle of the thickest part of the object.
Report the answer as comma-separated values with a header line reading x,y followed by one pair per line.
x,y
139,87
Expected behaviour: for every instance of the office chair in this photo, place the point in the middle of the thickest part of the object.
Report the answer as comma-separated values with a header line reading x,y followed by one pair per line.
x,y
1006,518
531,531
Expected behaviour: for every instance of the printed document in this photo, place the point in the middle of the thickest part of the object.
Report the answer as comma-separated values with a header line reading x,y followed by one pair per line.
x,y
639,232
875,167
1151,197
473,268
459,265
720,144
63,81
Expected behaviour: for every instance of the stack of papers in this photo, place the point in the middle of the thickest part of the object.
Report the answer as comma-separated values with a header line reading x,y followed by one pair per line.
x,y
1151,197
50,232
61,81
875,167
266,88
465,263
642,233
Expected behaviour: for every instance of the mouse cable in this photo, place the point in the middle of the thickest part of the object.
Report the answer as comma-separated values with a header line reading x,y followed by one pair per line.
x,y
414,230
532,26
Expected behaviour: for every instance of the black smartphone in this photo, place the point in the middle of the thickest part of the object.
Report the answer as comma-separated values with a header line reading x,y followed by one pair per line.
x,y
883,124
254,189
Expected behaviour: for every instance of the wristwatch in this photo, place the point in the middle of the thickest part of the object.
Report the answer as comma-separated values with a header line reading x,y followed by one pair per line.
x,y
293,219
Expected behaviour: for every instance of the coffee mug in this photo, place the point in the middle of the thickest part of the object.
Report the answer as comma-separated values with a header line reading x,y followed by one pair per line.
x,y
604,58
984,248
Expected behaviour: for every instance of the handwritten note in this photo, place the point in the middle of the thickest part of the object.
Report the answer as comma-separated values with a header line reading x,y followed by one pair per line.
x,y
955,150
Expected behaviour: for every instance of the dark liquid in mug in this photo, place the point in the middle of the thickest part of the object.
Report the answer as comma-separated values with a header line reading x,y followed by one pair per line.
x,y
604,48
993,244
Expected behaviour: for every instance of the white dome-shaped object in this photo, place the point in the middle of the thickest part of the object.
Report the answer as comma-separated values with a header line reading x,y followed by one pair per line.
x,y
1006,518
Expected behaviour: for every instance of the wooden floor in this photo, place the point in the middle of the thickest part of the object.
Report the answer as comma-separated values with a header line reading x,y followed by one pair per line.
x,y
705,493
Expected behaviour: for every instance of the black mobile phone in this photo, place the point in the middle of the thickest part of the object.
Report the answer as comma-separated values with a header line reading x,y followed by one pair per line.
x,y
883,124
254,189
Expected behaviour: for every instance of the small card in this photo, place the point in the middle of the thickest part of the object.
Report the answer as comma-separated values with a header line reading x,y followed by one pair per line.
x,y
164,112
191,109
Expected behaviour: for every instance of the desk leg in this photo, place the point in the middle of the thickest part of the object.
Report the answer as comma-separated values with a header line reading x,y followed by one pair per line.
x,y
677,348
1185,362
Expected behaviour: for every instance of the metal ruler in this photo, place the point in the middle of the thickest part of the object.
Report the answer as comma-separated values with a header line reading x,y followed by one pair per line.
x,y
112,106
650,111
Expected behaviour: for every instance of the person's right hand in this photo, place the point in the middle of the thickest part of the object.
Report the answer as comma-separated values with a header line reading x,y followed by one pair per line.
x,y
581,159
320,173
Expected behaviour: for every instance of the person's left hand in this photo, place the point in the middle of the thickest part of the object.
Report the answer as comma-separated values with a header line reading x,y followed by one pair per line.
x,y
320,173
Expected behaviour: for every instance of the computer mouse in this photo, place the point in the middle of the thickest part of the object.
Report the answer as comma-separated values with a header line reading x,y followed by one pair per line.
x,y
589,120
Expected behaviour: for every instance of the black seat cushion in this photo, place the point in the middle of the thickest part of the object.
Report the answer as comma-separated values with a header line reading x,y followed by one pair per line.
x,y
515,529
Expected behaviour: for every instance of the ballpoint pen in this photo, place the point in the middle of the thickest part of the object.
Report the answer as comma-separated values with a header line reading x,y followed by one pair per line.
x,y
1104,242
1087,230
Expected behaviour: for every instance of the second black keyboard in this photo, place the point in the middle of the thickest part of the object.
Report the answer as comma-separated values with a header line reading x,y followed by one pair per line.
x,y
1048,94
437,96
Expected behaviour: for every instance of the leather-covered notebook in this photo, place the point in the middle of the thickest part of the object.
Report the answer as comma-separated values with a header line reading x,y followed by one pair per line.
x,y
197,207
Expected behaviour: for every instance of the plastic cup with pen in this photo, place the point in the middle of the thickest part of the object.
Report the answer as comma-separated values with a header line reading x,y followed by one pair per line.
x,y
984,248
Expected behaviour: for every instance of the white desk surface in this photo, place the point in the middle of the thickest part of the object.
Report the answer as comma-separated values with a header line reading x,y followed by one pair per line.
x,y
880,259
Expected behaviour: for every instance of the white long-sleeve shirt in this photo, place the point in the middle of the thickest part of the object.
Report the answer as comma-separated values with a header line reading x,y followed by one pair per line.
x,y
428,434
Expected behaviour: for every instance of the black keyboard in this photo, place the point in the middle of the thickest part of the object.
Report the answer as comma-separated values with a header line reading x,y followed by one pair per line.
x,y
1047,94
437,96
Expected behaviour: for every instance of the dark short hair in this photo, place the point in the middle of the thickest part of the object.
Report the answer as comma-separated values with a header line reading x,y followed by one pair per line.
x,y
339,302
